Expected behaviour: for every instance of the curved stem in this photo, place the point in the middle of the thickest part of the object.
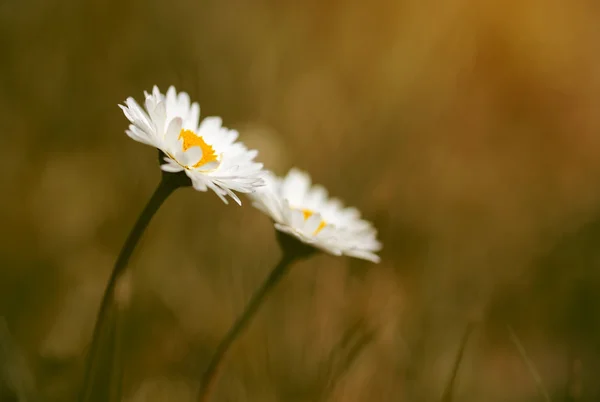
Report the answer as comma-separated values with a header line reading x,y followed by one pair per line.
x,y
211,373
166,186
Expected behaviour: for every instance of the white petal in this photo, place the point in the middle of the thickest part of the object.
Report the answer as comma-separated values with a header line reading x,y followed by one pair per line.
x,y
316,197
363,254
191,156
137,137
192,120
218,192
293,232
127,113
297,219
232,195
312,223
171,167
171,96
150,105
209,166
138,116
156,92
172,135
184,101
159,115
197,181
210,124
295,185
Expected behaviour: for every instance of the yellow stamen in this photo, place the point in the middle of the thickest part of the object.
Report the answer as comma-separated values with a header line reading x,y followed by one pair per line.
x,y
307,214
191,139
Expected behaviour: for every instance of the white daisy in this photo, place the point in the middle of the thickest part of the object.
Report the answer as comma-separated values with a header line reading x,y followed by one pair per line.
x,y
206,151
306,212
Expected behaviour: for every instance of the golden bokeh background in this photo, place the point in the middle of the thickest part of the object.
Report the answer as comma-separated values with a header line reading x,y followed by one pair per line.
x,y
468,132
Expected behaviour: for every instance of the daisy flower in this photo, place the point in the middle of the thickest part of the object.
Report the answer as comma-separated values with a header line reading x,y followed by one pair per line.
x,y
206,151
306,212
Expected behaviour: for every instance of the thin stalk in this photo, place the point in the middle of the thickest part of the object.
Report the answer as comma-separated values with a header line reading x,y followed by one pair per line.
x,y
122,302
530,365
212,372
116,375
448,392
166,186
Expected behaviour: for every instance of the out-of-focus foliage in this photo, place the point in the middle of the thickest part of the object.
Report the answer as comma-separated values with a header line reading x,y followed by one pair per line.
x,y
468,131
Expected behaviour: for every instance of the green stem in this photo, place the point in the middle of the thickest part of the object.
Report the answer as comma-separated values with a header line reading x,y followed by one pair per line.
x,y
211,373
116,375
167,185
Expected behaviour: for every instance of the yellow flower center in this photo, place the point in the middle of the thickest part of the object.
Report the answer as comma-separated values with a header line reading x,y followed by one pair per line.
x,y
307,214
191,139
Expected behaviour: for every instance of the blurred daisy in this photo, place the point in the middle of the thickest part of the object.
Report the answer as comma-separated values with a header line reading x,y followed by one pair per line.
x,y
306,212
206,151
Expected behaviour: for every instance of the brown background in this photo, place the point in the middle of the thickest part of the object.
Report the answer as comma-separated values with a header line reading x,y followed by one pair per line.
x,y
467,131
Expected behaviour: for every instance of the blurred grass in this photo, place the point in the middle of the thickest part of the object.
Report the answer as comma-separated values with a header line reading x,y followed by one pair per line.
x,y
467,131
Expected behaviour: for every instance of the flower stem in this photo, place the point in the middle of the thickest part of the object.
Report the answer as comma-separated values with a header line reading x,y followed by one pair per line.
x,y
212,372
167,185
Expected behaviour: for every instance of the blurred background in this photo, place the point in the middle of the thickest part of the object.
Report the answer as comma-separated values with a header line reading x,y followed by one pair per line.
x,y
468,132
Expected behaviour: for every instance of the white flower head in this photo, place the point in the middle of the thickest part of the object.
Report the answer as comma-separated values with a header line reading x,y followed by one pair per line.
x,y
206,151
306,212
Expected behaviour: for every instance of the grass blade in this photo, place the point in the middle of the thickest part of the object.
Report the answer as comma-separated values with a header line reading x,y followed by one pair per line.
x,y
449,391
529,363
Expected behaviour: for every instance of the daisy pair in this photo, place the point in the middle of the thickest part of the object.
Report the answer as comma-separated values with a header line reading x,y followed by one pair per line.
x,y
212,158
